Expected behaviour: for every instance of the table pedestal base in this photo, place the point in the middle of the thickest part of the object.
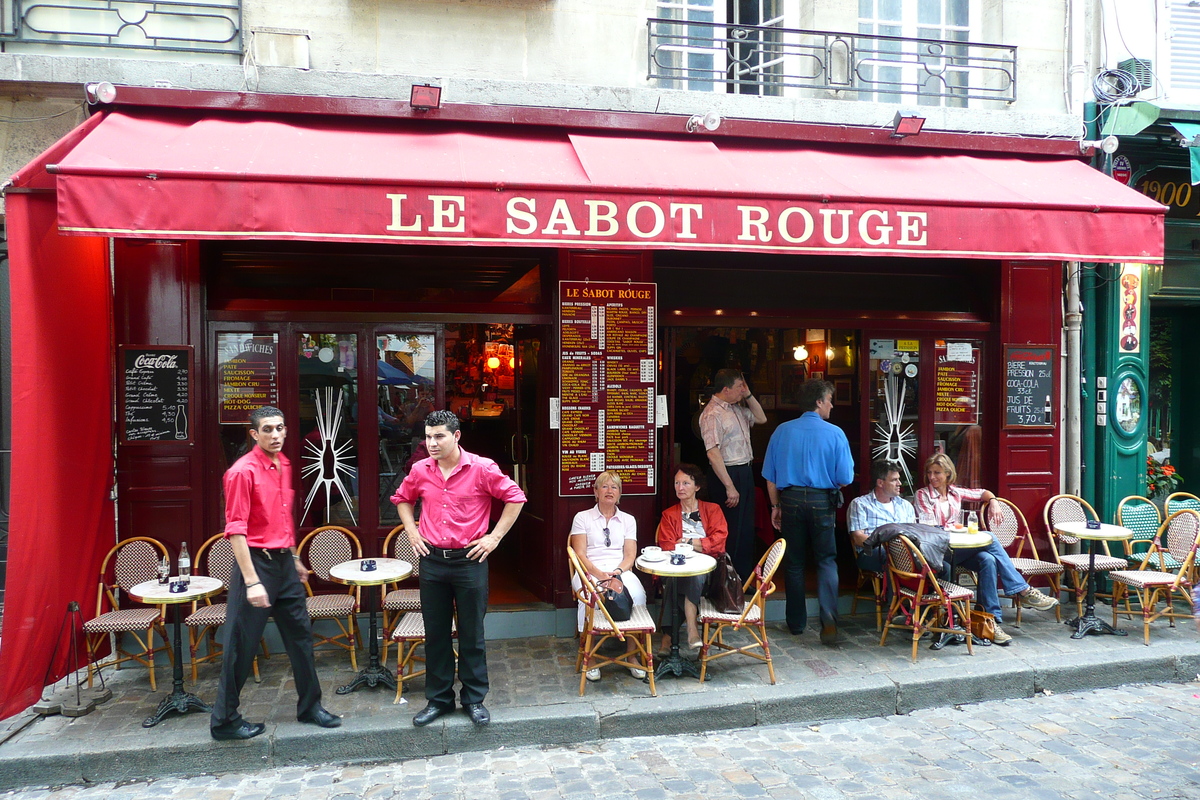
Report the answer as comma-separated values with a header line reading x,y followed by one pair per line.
x,y
372,676
178,701
943,639
675,664
1090,623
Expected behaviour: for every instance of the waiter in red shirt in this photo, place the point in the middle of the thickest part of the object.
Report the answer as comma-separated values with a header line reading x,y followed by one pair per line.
x,y
456,489
267,581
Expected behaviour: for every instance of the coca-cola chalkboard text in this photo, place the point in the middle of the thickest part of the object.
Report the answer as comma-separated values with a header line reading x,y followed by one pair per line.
x,y
155,393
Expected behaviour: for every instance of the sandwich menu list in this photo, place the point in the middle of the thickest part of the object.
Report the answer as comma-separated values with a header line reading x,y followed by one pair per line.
x,y
607,385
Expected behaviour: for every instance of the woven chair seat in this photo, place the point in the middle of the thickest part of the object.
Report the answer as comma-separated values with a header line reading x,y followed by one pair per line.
x,y
403,600
207,616
126,619
1142,578
1168,561
1033,566
323,606
640,621
952,591
709,613
412,626
1079,562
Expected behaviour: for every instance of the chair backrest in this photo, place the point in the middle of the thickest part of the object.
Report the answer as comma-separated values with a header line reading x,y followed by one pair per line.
x,y
326,547
762,579
1141,517
1005,521
216,555
397,545
588,593
1180,534
132,561
1181,500
1066,508
909,570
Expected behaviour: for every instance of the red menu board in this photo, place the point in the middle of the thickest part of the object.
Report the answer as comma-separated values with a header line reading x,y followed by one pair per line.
x,y
957,396
607,385
247,374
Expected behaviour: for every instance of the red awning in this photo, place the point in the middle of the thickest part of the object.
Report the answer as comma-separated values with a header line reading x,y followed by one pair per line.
x,y
162,174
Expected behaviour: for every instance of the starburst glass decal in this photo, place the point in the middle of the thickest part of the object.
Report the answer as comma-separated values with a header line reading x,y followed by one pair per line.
x,y
893,440
327,462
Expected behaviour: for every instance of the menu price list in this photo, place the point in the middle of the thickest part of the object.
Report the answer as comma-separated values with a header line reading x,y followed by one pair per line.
x,y
247,374
956,400
1029,385
156,393
607,385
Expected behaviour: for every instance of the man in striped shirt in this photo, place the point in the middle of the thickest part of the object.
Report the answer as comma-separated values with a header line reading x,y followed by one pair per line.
x,y
880,506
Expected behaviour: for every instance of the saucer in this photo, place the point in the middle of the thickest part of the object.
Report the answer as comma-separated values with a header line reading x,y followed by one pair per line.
x,y
655,557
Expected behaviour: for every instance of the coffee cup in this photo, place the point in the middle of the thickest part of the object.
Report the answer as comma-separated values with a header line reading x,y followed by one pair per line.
x,y
652,551
684,547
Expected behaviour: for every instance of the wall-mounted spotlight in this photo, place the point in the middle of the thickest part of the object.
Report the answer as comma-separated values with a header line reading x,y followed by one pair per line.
x,y
906,125
1108,145
710,122
800,352
425,97
102,92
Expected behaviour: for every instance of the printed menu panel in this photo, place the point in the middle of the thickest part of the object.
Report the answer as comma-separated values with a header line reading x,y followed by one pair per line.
x,y
1029,386
156,393
247,374
956,399
607,385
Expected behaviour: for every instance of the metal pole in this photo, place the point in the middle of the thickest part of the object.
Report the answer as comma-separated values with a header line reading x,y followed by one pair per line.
x,y
1073,321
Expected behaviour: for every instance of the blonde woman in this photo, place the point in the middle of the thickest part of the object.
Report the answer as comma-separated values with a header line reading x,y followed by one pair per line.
x,y
605,539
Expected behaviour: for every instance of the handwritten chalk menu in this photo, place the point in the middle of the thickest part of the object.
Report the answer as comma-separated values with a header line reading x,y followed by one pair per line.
x,y
607,385
247,374
956,395
156,394
1029,386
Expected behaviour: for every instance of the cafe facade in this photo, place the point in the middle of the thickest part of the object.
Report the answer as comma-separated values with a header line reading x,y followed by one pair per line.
x,y
567,282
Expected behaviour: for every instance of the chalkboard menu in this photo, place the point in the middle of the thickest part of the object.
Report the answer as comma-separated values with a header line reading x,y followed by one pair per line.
x,y
156,394
1029,386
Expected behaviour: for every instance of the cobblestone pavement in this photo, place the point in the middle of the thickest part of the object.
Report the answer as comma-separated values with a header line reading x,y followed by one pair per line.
x,y
1130,742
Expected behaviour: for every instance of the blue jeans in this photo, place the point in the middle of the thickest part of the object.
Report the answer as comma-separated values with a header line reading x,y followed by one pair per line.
x,y
809,517
992,565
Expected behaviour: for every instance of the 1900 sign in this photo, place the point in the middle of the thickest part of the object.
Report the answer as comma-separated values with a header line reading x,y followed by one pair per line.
x,y
156,394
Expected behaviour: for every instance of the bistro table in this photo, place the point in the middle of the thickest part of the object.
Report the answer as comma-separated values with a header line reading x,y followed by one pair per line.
x,y
962,540
695,564
155,593
387,570
1089,622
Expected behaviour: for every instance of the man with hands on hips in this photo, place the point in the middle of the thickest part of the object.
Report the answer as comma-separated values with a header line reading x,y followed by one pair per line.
x,y
267,582
456,489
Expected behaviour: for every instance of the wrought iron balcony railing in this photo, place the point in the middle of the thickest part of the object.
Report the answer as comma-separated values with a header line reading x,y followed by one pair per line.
x,y
199,26
752,59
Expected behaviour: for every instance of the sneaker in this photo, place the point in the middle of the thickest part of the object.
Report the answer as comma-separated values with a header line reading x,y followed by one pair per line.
x,y
1002,638
1037,601
640,674
593,674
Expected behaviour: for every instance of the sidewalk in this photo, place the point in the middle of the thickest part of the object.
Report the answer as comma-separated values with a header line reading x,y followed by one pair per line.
x,y
534,700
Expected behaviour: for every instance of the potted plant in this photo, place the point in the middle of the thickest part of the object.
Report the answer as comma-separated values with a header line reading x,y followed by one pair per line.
x,y
1161,481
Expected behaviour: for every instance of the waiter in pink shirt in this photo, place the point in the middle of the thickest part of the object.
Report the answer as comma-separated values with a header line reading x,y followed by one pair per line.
x,y
267,582
456,489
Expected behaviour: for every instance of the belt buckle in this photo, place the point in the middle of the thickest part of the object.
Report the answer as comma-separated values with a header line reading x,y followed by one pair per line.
x,y
445,553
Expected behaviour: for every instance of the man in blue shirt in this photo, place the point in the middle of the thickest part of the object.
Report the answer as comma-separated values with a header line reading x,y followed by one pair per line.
x,y
807,463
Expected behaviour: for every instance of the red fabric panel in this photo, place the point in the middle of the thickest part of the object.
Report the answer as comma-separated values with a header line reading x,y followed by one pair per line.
x,y
62,519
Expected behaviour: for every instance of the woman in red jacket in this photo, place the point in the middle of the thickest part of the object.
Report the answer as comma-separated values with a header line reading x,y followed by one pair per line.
x,y
700,524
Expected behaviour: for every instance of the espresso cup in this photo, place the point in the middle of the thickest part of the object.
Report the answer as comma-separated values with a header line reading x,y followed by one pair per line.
x,y
684,547
651,551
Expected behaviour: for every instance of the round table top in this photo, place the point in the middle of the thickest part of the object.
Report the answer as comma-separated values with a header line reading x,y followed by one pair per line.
x,y
965,540
696,564
158,593
387,570
1105,532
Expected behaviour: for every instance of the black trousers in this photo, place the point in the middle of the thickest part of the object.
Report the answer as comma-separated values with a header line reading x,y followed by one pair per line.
x,y
741,544
244,625
448,584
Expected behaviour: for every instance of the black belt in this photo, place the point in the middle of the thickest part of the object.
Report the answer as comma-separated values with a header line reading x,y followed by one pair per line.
x,y
272,551
448,553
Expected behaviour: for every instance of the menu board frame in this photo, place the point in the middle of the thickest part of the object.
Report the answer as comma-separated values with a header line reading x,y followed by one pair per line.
x,y
598,354
272,393
975,369
1050,390
189,356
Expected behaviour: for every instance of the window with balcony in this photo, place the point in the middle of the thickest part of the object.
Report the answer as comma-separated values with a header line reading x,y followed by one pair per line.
x,y
920,53
722,45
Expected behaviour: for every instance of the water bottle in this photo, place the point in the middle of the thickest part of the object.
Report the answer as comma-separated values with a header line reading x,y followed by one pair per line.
x,y
972,522
164,571
185,564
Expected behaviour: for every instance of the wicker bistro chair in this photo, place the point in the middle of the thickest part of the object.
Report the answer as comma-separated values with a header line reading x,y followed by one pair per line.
x,y
1141,517
1181,500
322,550
127,564
926,602
1179,535
409,634
399,601
1008,525
752,618
599,627
876,581
1069,508
216,555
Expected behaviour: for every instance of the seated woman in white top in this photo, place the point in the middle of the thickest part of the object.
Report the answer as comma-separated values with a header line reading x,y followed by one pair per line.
x,y
605,539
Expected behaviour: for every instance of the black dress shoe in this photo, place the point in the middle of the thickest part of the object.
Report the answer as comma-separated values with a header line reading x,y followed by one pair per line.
x,y
243,730
320,716
478,714
429,713
795,631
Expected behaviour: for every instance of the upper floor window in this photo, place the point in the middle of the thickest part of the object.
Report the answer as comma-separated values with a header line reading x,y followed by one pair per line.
x,y
922,64
713,53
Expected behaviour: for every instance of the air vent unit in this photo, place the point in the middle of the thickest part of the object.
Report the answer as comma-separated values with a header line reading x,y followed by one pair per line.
x,y
1141,69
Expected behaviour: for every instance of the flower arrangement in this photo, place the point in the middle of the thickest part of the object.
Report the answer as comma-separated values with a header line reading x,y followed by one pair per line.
x,y
1161,479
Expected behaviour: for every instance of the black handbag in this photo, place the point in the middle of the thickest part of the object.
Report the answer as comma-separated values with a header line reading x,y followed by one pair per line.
x,y
618,604
725,587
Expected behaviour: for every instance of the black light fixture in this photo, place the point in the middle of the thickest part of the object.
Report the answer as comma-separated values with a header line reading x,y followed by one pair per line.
x,y
425,97
906,125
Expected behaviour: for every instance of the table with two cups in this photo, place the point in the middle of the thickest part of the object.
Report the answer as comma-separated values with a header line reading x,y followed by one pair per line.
x,y
683,563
